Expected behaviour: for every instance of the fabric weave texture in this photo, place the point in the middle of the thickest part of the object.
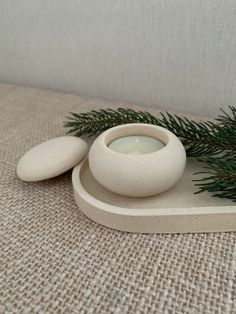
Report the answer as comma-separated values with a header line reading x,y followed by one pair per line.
x,y
53,259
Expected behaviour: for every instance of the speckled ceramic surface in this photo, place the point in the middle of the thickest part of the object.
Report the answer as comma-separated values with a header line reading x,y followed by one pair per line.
x,y
51,158
137,175
176,210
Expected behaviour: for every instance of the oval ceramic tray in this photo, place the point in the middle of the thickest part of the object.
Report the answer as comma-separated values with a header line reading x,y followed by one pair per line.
x,y
174,211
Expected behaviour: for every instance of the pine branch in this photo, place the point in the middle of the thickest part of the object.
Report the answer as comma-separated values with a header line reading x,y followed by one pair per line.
x,y
95,122
220,177
199,138
228,119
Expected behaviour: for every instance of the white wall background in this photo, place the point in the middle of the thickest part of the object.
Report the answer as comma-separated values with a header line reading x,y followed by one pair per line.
x,y
172,54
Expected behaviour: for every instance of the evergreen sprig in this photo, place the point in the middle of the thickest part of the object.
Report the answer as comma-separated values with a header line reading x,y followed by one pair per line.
x,y
219,177
211,142
228,119
97,121
200,138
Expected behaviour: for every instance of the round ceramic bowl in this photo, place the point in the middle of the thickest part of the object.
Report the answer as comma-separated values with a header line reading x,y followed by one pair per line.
x,y
137,175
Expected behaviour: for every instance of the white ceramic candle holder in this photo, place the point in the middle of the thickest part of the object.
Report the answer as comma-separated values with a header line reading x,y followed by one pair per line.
x,y
137,175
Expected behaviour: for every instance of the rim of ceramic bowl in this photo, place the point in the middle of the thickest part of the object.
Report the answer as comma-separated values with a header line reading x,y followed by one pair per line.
x,y
136,129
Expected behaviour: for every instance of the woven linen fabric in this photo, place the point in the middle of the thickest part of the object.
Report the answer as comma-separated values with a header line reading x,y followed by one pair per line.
x,y
53,259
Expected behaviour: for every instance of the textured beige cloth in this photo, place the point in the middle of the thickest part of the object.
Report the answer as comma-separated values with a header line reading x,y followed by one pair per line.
x,y
53,259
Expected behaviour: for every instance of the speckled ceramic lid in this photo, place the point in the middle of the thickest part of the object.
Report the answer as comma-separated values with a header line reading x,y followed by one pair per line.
x,y
51,158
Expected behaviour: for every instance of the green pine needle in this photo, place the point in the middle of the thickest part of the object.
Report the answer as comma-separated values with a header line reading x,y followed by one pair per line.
x,y
220,177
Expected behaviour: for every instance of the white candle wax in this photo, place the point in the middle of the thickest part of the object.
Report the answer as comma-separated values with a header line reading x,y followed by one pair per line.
x,y
136,145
